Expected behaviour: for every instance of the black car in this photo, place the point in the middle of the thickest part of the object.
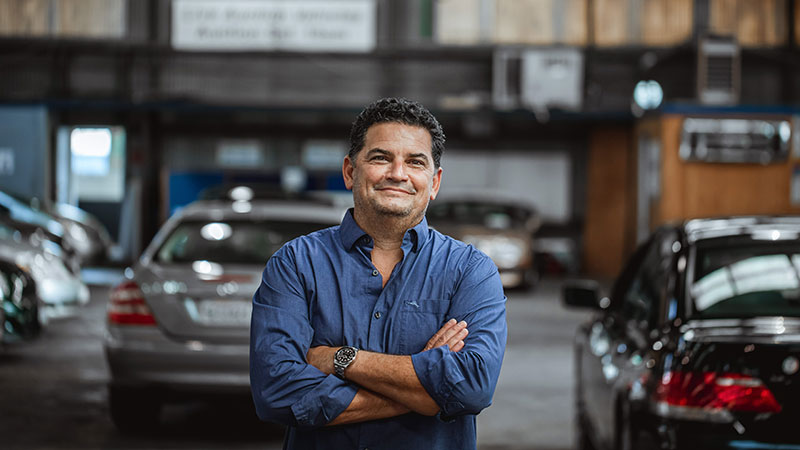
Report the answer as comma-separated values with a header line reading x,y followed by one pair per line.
x,y
697,346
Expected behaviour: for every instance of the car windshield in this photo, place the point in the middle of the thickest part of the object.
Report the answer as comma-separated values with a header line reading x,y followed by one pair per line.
x,y
233,242
490,215
747,281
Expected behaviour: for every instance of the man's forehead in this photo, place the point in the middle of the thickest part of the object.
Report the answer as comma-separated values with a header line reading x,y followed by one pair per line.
x,y
411,138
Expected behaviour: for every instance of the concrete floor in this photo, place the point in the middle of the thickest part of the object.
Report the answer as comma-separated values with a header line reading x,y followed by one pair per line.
x,y
52,390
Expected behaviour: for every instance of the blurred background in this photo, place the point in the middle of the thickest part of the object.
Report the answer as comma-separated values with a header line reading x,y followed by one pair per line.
x,y
574,128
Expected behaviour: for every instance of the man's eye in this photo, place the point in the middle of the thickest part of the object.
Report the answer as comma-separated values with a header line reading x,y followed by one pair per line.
x,y
378,158
417,162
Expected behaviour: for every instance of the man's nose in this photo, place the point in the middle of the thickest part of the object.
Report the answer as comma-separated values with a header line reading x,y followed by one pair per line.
x,y
397,170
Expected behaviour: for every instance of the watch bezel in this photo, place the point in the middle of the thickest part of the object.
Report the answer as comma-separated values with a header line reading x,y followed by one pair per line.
x,y
343,358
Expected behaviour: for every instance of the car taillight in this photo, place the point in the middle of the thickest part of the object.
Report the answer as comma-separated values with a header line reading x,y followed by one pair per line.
x,y
712,396
127,306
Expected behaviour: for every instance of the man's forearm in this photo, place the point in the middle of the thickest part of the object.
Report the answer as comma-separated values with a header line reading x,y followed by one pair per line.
x,y
392,376
368,405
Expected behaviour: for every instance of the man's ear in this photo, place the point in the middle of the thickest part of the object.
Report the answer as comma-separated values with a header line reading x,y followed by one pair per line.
x,y
437,181
347,172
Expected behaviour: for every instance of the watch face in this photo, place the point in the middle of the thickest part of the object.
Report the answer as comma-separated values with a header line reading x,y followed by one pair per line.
x,y
345,355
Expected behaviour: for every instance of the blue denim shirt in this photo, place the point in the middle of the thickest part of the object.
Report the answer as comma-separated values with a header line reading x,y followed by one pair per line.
x,y
322,289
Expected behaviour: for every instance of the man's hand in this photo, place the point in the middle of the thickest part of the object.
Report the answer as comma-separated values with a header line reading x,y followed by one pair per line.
x,y
452,334
321,357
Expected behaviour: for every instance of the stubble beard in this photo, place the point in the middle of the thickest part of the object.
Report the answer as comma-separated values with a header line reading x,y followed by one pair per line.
x,y
374,206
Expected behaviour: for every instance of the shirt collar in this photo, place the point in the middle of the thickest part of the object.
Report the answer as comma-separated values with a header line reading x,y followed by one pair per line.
x,y
350,232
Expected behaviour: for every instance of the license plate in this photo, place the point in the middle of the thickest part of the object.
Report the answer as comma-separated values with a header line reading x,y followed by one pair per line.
x,y
224,312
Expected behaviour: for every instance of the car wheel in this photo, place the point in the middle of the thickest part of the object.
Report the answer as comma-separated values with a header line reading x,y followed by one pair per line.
x,y
2,325
133,410
582,440
530,278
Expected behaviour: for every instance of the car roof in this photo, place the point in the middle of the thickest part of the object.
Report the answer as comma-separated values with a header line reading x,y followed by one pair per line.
x,y
255,210
262,210
755,227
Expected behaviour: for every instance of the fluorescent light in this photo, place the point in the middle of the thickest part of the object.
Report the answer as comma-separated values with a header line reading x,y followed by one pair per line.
x,y
91,142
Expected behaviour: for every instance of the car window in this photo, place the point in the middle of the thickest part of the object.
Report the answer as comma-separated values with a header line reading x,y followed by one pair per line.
x,y
742,281
641,299
491,215
242,242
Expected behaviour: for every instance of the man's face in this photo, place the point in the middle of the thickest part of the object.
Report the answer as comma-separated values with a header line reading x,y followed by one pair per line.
x,y
393,174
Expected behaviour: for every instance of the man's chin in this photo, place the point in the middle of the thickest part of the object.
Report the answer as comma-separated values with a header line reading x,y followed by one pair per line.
x,y
392,210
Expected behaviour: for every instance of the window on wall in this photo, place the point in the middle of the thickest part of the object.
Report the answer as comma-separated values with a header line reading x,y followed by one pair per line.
x,y
97,164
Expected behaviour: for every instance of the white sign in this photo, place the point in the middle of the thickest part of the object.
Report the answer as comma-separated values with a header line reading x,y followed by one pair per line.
x,y
296,25
6,161
240,154
327,155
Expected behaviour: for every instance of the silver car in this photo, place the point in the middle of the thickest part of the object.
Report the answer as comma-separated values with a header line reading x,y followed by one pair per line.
x,y
61,291
180,321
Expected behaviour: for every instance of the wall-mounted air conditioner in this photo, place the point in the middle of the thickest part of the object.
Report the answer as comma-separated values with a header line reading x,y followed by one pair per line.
x,y
719,71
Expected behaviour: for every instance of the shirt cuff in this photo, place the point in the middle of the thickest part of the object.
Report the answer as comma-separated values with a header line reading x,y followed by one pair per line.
x,y
324,403
439,373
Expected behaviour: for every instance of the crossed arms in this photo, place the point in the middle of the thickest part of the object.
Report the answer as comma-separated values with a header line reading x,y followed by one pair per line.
x,y
454,374
390,385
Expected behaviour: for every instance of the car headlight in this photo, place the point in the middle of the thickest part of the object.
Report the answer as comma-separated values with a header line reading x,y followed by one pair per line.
x,y
506,252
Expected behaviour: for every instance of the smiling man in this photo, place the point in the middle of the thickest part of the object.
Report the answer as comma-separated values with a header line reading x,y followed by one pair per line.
x,y
380,333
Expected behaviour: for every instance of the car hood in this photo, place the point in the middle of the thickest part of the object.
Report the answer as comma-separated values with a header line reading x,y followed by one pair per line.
x,y
458,231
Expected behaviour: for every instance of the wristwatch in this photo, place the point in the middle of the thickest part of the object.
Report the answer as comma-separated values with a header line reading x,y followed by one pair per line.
x,y
343,358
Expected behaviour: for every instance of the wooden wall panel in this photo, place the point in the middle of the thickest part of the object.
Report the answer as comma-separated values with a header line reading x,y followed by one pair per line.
x,y
642,22
91,18
528,22
696,189
672,176
724,189
524,21
797,21
69,18
540,22
608,208
576,23
776,26
666,22
458,22
24,17
761,23
610,19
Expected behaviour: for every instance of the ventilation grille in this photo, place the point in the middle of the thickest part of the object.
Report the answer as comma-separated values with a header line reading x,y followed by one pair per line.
x,y
718,72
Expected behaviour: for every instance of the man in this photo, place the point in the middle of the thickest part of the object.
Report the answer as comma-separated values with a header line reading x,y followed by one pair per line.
x,y
380,333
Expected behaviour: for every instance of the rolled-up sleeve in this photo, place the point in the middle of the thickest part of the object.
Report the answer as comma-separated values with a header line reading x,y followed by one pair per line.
x,y
463,382
286,389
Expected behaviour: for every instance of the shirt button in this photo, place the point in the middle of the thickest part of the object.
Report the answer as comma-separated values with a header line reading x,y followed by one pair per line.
x,y
377,314
375,273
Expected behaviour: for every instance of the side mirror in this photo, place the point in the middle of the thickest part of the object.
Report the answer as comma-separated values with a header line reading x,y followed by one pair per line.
x,y
582,294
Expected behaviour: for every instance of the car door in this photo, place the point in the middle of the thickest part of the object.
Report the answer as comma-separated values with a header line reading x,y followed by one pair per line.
x,y
621,334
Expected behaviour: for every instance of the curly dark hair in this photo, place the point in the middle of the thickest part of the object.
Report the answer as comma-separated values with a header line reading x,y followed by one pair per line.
x,y
398,110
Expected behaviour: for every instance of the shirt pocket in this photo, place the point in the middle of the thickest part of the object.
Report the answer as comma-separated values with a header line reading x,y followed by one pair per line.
x,y
420,320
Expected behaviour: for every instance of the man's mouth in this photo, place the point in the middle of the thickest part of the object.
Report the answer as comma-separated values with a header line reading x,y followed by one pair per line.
x,y
394,189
